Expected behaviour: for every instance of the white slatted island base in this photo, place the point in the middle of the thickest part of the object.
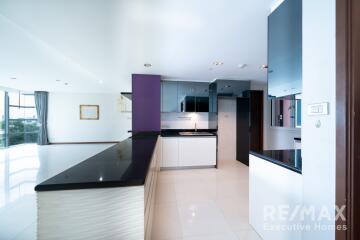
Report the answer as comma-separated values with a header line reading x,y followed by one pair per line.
x,y
107,208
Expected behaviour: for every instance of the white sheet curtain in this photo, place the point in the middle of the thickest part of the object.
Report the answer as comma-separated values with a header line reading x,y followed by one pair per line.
x,y
41,103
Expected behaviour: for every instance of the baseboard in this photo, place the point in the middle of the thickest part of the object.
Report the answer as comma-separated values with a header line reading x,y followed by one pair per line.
x,y
105,142
187,167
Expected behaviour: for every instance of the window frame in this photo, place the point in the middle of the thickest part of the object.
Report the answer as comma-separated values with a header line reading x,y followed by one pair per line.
x,y
297,116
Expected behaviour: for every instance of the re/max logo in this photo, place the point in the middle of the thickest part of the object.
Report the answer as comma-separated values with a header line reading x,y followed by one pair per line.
x,y
301,212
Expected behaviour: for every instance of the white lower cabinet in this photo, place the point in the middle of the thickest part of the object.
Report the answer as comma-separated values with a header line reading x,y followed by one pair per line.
x,y
197,151
188,151
170,152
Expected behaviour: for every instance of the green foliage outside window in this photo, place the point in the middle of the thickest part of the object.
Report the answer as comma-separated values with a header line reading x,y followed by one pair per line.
x,y
22,131
2,134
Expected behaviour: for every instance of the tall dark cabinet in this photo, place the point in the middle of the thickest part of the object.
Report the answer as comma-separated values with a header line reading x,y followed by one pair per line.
x,y
249,124
256,118
242,130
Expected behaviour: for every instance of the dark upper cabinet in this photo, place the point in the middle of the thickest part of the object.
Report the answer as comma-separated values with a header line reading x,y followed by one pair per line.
x,y
184,96
185,90
188,104
202,104
213,119
193,96
231,88
285,49
169,96
213,97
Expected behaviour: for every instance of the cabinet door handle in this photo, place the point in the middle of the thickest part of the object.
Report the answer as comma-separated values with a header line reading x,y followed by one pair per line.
x,y
271,71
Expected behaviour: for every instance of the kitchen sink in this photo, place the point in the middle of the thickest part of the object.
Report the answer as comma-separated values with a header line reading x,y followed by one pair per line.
x,y
195,134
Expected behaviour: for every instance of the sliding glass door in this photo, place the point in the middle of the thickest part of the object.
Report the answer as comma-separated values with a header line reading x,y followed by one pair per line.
x,y
2,120
18,119
23,127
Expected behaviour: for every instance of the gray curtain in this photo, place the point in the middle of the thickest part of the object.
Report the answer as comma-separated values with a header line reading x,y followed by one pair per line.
x,y
41,103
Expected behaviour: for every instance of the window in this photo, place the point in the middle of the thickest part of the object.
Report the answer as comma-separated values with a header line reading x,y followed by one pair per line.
x,y
18,119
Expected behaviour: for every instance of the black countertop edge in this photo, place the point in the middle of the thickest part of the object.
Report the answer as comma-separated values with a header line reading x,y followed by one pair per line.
x,y
289,159
146,134
175,132
297,138
125,164
89,185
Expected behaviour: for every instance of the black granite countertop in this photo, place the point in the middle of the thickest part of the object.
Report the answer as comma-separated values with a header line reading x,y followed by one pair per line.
x,y
124,164
290,159
175,132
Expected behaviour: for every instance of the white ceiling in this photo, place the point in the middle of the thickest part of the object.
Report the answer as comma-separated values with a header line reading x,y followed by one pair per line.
x,y
95,45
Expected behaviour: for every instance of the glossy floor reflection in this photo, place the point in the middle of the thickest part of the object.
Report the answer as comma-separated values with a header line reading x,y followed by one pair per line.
x,y
204,204
21,168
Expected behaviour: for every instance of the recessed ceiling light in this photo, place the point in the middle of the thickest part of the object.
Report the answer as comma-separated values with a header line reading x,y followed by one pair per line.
x,y
101,81
243,65
147,65
264,66
218,63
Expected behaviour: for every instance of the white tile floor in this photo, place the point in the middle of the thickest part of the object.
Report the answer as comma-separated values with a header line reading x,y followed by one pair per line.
x,y
209,204
21,168
201,204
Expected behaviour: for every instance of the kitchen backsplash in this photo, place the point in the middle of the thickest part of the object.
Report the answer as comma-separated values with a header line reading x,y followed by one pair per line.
x,y
184,120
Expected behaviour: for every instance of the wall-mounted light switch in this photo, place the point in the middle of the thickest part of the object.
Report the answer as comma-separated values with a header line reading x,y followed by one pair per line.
x,y
318,109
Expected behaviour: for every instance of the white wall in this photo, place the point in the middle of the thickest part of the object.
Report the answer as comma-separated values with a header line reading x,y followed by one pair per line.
x,y
318,144
275,137
184,120
226,129
64,122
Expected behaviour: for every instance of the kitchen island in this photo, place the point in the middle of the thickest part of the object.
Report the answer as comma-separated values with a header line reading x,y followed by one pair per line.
x,y
275,192
108,196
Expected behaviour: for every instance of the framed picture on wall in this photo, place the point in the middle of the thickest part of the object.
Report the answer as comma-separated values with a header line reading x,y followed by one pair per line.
x,y
89,112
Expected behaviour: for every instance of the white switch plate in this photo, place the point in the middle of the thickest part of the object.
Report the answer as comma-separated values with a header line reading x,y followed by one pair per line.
x,y
318,109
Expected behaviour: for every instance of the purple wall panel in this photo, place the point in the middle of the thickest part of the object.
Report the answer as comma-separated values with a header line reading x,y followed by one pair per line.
x,y
146,95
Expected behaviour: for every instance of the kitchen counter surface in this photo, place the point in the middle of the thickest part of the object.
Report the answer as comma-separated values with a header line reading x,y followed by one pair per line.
x,y
290,159
124,164
176,132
